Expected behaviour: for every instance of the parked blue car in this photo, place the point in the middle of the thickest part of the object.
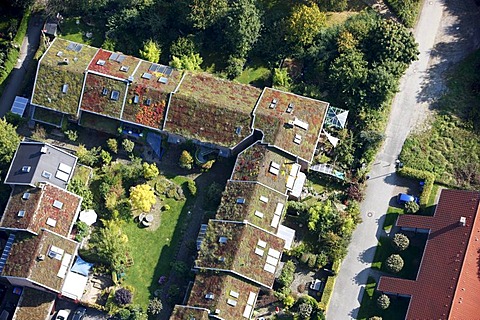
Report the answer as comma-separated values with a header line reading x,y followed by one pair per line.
x,y
403,198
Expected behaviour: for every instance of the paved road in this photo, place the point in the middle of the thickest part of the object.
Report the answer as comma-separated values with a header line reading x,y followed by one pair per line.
x,y
27,52
439,27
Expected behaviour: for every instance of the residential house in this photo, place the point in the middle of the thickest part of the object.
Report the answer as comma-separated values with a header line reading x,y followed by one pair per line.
x,y
447,282
34,304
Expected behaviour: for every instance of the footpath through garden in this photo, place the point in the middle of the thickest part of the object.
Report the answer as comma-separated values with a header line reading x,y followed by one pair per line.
x,y
446,32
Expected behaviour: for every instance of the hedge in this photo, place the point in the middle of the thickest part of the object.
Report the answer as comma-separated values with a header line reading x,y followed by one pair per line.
x,y
22,28
427,177
406,10
327,291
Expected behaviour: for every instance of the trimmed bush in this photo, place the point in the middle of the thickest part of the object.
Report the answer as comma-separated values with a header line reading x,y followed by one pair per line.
x,y
394,263
123,296
155,306
192,187
400,242
286,277
427,177
383,302
411,207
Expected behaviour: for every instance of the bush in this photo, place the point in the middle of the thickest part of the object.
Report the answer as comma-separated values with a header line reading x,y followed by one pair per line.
x,y
72,135
88,157
128,145
123,296
186,160
411,207
288,301
394,263
39,134
383,301
400,242
375,318
123,314
82,230
192,187
286,277
234,67
406,10
112,145
155,306
106,157
305,310
150,171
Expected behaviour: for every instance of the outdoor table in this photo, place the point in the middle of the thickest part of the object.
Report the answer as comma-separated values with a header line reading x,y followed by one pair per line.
x,y
149,218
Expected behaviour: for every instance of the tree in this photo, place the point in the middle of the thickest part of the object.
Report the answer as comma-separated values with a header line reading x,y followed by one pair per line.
x,y
123,296
155,306
109,243
205,13
151,51
9,141
128,145
88,157
281,78
305,23
186,160
394,263
286,276
142,197
112,145
191,62
400,242
411,207
150,171
234,67
383,301
242,29
106,157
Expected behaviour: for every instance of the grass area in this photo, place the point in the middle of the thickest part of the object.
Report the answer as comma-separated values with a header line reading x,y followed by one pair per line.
x,y
152,251
72,31
391,217
368,307
411,257
430,207
259,76
451,147
336,18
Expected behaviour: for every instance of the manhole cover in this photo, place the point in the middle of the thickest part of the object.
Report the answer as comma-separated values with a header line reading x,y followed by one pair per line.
x,y
370,214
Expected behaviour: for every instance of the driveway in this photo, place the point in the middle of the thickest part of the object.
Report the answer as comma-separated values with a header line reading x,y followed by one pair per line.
x,y
92,314
27,52
446,32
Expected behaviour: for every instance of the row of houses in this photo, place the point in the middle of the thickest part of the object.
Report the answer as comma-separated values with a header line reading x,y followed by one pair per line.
x,y
38,253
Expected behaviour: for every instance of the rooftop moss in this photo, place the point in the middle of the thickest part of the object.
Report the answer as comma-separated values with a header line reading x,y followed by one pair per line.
x,y
103,95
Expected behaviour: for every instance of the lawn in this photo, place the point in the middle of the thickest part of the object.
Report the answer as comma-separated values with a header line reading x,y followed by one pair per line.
x,y
152,251
259,76
411,257
72,31
337,18
368,307
430,208
391,217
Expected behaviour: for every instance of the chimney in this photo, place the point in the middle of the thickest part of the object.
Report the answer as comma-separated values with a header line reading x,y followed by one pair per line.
x,y
463,221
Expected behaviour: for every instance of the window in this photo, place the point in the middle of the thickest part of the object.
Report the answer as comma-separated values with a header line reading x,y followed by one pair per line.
x,y
46,174
26,168
58,204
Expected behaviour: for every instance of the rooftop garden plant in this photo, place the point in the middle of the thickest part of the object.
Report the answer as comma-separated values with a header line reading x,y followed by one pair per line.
x,y
103,95
144,106
120,69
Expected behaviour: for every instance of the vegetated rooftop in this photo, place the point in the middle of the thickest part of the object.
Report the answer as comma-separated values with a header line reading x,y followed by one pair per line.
x,y
44,271
60,75
224,295
34,208
212,110
253,202
290,122
256,163
188,313
242,248
114,64
34,304
103,95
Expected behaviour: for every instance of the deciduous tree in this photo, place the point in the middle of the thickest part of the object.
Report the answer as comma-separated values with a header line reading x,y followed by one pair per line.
x,y
305,23
9,141
151,51
186,160
142,197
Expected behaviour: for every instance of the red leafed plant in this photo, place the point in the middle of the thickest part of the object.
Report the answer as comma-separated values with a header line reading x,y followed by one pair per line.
x,y
150,115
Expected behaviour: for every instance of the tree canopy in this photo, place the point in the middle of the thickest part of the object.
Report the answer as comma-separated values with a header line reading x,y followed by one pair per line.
x,y
305,23
142,197
9,140
151,51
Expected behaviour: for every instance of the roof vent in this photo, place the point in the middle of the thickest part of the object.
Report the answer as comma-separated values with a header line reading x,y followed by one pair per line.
x,y
463,221
65,61
41,257
58,204
21,213
217,311
240,200
221,259
209,296
222,240
44,149
26,196
42,185
26,168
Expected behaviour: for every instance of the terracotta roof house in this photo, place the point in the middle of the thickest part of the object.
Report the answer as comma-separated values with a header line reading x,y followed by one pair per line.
x,y
211,110
34,304
36,162
270,168
38,261
44,207
448,282
252,201
241,249
189,313
225,296
290,122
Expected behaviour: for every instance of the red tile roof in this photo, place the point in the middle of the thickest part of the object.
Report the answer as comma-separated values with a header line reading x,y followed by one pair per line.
x,y
449,268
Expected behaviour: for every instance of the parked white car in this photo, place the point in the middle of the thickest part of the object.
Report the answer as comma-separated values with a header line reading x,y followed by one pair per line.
x,y
62,315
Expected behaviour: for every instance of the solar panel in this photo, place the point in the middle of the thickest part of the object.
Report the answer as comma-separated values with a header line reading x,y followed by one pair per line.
x,y
168,71
78,48
71,46
114,56
121,58
161,69
153,67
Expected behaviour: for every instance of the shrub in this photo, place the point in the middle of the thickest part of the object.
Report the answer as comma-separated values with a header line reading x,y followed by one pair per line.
x,y
305,310
173,292
87,157
288,301
123,296
166,207
411,207
82,230
150,171
406,10
383,301
375,318
128,145
123,314
106,157
234,67
186,160
355,191
400,242
394,263
207,165
39,133
322,260
72,135
155,306
286,277
112,145
192,187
